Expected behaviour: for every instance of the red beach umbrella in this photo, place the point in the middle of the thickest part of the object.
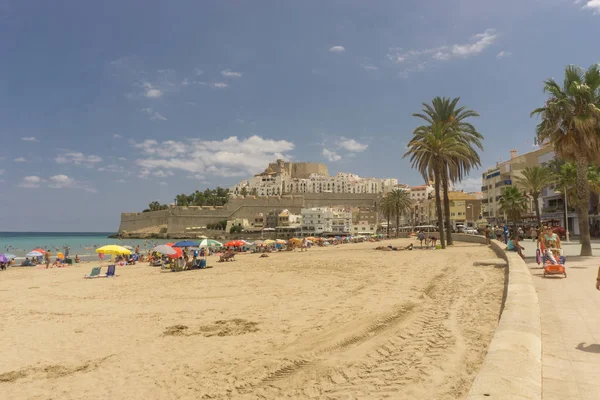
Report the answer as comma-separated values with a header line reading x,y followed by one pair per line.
x,y
170,244
40,250
235,243
178,253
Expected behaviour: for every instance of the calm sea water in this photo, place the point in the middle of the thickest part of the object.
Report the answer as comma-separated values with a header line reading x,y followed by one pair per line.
x,y
81,243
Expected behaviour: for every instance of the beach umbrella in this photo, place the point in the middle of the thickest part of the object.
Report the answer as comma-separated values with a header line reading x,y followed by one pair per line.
x,y
39,250
259,242
280,241
3,258
34,254
10,256
113,249
210,243
164,249
185,243
235,243
178,253
269,241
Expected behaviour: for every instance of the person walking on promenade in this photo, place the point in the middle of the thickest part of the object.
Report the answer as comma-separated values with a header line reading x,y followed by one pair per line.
x,y
488,234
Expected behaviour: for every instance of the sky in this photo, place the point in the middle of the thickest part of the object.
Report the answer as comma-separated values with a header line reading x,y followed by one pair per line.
x,y
108,105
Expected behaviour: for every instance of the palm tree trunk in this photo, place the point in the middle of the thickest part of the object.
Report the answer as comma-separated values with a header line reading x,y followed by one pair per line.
x,y
438,206
583,199
397,223
537,209
447,205
388,225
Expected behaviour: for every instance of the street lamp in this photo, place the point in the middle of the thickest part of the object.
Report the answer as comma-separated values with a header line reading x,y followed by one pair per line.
x,y
566,213
471,207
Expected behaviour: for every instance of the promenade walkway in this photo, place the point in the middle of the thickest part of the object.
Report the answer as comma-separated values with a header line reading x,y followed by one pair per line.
x,y
570,317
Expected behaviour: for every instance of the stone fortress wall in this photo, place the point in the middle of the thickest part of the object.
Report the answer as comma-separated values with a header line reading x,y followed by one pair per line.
x,y
299,170
177,219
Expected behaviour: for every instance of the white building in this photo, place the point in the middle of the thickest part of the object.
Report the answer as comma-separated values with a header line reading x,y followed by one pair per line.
x,y
326,220
273,184
422,192
317,220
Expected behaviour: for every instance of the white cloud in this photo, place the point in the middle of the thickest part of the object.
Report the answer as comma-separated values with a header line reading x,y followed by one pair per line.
x,y
351,145
417,59
331,155
469,185
154,115
198,71
227,73
20,159
31,182
370,68
151,91
219,85
337,49
60,181
78,158
117,136
503,54
228,157
163,183
30,139
122,159
592,5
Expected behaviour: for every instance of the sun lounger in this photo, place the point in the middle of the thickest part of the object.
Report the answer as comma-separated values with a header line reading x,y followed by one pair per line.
x,y
111,270
95,273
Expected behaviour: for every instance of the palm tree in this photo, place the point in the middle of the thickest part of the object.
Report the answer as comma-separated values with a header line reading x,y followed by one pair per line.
x,y
388,210
444,110
535,179
513,202
570,122
431,149
399,202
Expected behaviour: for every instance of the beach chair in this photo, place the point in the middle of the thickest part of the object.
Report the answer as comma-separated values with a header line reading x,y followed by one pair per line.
x,y
94,274
111,271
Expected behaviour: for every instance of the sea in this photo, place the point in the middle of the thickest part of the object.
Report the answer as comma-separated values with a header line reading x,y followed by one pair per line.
x,y
83,244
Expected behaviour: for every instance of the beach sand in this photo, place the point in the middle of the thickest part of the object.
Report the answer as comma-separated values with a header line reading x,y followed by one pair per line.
x,y
346,322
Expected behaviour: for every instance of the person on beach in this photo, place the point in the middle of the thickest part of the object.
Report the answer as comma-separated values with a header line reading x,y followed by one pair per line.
x,y
47,258
513,245
77,259
488,235
421,237
598,280
137,249
433,241
550,240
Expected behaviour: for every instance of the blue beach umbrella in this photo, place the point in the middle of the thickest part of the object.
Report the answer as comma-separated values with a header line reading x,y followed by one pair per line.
x,y
186,243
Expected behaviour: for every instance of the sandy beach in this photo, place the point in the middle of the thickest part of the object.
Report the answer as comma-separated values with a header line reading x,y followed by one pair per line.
x,y
346,322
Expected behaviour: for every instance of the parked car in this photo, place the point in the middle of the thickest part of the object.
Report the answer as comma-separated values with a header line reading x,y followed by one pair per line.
x,y
471,231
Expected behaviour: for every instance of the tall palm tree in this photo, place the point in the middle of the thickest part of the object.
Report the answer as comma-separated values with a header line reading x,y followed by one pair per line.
x,y
400,202
388,210
445,111
513,202
535,179
570,122
431,148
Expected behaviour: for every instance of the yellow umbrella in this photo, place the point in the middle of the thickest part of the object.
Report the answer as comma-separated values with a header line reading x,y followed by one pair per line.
x,y
269,241
113,249
295,240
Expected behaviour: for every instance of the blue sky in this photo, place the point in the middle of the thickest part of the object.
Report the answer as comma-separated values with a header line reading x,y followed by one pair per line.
x,y
106,106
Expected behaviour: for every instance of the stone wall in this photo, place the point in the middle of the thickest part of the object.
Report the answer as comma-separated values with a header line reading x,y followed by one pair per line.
x,y
177,219
303,170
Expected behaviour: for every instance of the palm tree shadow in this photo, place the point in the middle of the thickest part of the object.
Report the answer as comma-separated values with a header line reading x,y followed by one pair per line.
x,y
592,348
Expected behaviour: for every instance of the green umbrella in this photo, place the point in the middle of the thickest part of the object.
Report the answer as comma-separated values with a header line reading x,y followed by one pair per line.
x,y
210,243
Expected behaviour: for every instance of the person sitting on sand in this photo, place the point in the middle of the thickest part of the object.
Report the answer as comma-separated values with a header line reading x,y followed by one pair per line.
x,y
77,259
264,255
513,245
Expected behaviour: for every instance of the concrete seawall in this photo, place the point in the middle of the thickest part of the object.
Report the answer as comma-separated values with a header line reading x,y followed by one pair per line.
x,y
512,368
